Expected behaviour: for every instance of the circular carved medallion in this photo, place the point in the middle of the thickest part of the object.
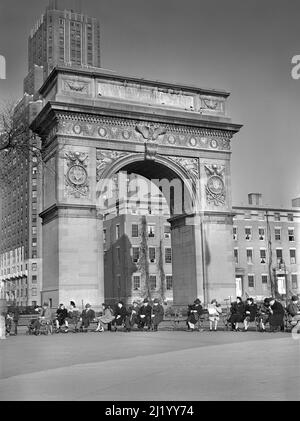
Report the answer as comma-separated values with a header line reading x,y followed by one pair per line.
x,y
214,143
193,141
171,139
77,128
215,184
77,175
126,134
102,131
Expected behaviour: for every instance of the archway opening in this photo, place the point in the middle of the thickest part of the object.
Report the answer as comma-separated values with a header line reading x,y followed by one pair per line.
x,y
138,251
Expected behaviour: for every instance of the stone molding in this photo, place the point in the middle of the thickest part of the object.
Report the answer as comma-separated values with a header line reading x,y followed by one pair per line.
x,y
123,130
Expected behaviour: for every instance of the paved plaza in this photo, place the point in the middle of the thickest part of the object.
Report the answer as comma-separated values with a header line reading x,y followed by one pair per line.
x,y
177,365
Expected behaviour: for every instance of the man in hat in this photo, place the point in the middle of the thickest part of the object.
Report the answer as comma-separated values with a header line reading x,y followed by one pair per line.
x,y
293,309
87,316
145,315
120,315
276,315
157,314
61,318
133,316
45,317
250,312
194,313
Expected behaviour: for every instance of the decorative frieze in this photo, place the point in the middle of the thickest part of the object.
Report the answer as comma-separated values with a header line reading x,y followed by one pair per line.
x,y
137,132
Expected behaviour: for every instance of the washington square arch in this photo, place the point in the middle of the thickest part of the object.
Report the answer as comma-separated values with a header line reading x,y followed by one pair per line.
x,y
96,124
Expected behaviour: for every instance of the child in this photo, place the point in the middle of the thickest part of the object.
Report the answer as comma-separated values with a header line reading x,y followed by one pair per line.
x,y
214,311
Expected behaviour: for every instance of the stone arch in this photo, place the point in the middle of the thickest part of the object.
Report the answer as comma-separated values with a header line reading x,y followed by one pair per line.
x,y
169,168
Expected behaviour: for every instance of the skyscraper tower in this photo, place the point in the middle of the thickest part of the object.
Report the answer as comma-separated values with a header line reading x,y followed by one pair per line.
x,y
63,36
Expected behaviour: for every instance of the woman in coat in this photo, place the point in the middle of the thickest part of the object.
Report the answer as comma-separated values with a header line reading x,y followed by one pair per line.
x,y
264,314
106,318
157,314
237,314
276,315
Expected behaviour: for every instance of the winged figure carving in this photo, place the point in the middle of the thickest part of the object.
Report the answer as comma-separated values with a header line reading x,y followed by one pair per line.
x,y
150,132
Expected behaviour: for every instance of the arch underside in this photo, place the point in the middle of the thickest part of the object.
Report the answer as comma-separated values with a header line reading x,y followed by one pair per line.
x,y
164,173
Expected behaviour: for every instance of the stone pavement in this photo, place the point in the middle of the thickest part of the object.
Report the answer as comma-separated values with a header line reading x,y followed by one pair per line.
x,y
177,365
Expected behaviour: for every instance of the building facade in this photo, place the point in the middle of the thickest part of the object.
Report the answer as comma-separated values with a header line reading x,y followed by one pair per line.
x,y
266,249
20,229
63,36
137,247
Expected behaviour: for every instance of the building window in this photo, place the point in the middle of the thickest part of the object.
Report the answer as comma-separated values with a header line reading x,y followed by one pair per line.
x,y
290,217
135,254
249,256
234,232
152,279
136,282
34,267
168,255
236,256
248,233
169,282
34,292
34,279
261,234
262,256
278,255
151,231
251,281
34,230
117,231
277,234
167,231
134,230
294,281
291,234
152,254
293,256
277,216
264,279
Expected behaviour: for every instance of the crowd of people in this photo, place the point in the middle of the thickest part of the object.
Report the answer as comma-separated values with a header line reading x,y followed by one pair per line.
x,y
148,315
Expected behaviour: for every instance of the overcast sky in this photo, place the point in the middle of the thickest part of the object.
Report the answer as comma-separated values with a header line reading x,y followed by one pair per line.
x,y
244,47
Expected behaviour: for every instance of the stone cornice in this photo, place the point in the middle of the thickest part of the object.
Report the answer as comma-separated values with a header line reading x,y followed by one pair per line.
x,y
68,210
103,74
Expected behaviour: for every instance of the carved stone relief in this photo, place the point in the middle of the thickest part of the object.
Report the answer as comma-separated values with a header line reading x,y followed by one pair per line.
x,y
190,165
105,158
132,131
215,185
76,176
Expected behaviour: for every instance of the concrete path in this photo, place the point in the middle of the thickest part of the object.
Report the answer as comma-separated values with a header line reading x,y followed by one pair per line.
x,y
177,366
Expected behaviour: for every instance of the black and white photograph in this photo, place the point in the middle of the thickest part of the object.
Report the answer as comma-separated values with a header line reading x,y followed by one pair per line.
x,y
149,203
